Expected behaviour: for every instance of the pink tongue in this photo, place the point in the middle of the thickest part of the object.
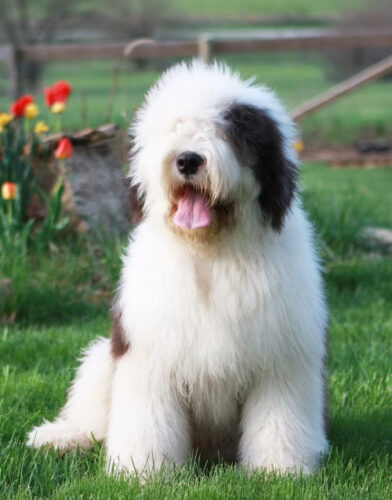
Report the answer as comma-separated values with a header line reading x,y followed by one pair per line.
x,y
193,210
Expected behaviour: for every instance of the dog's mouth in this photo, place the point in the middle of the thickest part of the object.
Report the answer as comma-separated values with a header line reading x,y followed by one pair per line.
x,y
192,208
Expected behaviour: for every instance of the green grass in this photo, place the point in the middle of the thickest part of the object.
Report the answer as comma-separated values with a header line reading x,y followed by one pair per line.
x,y
262,7
238,9
62,301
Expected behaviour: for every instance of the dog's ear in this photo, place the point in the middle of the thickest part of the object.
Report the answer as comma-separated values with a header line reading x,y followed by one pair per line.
x,y
257,142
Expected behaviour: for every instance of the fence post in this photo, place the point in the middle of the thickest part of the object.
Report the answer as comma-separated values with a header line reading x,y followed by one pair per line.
x,y
204,47
15,63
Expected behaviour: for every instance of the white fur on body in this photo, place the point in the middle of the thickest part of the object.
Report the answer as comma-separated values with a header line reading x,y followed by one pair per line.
x,y
85,415
231,333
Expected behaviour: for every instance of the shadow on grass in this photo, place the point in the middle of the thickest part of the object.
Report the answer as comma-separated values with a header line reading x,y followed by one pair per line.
x,y
73,280
362,439
360,281
55,308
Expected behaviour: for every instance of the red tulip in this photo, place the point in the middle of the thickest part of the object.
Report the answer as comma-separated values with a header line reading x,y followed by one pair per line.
x,y
19,106
63,90
64,149
58,93
50,97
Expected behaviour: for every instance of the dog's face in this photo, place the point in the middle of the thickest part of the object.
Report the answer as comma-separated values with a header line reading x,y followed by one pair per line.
x,y
209,150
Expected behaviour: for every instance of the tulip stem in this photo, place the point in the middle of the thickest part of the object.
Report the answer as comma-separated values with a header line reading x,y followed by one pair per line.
x,y
24,127
59,123
10,212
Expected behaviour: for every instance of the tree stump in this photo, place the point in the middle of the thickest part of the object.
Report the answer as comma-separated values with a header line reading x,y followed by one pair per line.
x,y
96,195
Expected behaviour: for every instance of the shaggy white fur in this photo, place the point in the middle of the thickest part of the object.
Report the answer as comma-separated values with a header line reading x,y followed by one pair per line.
x,y
223,326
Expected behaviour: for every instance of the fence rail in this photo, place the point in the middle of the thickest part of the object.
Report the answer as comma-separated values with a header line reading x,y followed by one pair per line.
x,y
208,46
368,75
266,41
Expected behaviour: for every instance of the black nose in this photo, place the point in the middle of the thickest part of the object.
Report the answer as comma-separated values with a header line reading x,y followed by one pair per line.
x,y
188,163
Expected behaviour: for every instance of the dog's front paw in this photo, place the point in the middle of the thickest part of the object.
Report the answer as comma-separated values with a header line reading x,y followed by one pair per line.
x,y
59,435
284,464
142,467
281,468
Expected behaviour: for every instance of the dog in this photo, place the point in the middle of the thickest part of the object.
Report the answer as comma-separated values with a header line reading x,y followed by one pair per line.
x,y
218,342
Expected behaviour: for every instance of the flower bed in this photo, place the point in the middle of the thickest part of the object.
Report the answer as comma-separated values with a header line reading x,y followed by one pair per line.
x,y
41,175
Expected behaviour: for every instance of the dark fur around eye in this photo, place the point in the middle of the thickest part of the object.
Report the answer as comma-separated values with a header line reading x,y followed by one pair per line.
x,y
257,143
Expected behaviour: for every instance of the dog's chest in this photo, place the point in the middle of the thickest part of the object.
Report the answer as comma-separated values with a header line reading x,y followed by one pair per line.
x,y
200,317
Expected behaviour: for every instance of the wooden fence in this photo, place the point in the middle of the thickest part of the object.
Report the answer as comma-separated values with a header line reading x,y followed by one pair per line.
x,y
356,81
208,46
266,41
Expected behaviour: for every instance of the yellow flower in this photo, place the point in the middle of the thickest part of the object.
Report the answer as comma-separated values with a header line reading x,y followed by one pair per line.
x,y
298,146
5,118
31,111
9,190
58,107
41,128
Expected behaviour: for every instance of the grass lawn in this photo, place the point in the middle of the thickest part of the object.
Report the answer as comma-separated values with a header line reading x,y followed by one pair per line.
x,y
235,8
62,302
262,7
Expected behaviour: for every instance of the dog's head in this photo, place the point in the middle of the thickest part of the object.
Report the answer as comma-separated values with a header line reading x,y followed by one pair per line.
x,y
210,150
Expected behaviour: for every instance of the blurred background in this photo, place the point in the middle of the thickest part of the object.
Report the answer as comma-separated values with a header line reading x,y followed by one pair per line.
x,y
85,42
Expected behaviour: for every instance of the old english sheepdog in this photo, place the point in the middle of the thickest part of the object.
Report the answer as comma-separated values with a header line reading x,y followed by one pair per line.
x,y
219,324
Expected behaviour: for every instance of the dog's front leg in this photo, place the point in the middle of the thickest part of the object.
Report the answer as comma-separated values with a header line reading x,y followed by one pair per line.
x,y
148,426
282,422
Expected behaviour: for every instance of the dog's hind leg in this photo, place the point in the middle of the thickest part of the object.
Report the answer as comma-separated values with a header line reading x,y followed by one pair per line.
x,y
85,414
